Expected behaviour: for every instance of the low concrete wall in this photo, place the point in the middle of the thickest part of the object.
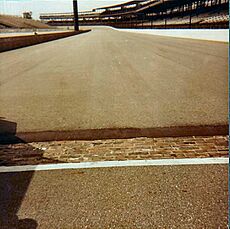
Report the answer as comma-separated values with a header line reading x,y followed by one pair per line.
x,y
9,43
201,34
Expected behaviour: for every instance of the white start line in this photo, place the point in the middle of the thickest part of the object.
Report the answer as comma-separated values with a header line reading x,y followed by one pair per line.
x,y
109,164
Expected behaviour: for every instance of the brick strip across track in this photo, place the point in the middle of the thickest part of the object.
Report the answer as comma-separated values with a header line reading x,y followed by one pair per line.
x,y
113,150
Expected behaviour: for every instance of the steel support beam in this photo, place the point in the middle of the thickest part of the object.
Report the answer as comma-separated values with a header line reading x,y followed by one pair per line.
x,y
75,13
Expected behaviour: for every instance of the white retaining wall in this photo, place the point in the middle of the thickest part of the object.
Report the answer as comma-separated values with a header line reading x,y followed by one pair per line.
x,y
201,34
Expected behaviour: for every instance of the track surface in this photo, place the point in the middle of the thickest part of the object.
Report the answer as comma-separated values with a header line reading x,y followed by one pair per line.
x,y
112,79
138,197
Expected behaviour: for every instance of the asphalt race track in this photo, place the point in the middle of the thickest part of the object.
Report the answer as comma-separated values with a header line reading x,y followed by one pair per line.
x,y
194,196
114,79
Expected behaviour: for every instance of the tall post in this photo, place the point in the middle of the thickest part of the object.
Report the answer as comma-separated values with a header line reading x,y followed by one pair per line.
x,y
75,13
190,15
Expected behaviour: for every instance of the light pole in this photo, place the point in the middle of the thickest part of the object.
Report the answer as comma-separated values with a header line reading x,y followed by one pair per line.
x,y
75,15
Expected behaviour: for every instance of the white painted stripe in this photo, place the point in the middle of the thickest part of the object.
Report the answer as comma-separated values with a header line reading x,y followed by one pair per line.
x,y
107,164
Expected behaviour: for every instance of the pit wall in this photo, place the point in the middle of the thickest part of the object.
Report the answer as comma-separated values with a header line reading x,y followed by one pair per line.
x,y
10,43
201,34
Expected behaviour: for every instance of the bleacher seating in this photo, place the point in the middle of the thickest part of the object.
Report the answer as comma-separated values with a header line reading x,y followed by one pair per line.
x,y
201,19
215,19
152,13
21,23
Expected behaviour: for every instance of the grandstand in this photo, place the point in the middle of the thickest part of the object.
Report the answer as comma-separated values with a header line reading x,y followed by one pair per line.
x,y
151,14
16,22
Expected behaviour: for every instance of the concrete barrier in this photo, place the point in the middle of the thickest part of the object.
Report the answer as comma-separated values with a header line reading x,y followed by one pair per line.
x,y
10,43
201,34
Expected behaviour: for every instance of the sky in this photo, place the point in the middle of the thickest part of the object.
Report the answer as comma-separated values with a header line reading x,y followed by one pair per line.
x,y
17,7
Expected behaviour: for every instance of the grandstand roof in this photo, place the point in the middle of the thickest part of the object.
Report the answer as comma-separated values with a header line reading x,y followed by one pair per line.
x,y
165,3
122,4
153,5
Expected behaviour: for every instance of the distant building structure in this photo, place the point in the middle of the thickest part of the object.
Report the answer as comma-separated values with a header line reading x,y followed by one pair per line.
x,y
27,15
151,14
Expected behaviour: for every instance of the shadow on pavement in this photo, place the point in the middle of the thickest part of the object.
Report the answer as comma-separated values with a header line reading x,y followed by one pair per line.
x,y
8,131
13,186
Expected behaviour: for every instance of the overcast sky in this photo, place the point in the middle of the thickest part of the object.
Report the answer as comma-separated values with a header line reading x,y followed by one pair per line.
x,y
16,7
